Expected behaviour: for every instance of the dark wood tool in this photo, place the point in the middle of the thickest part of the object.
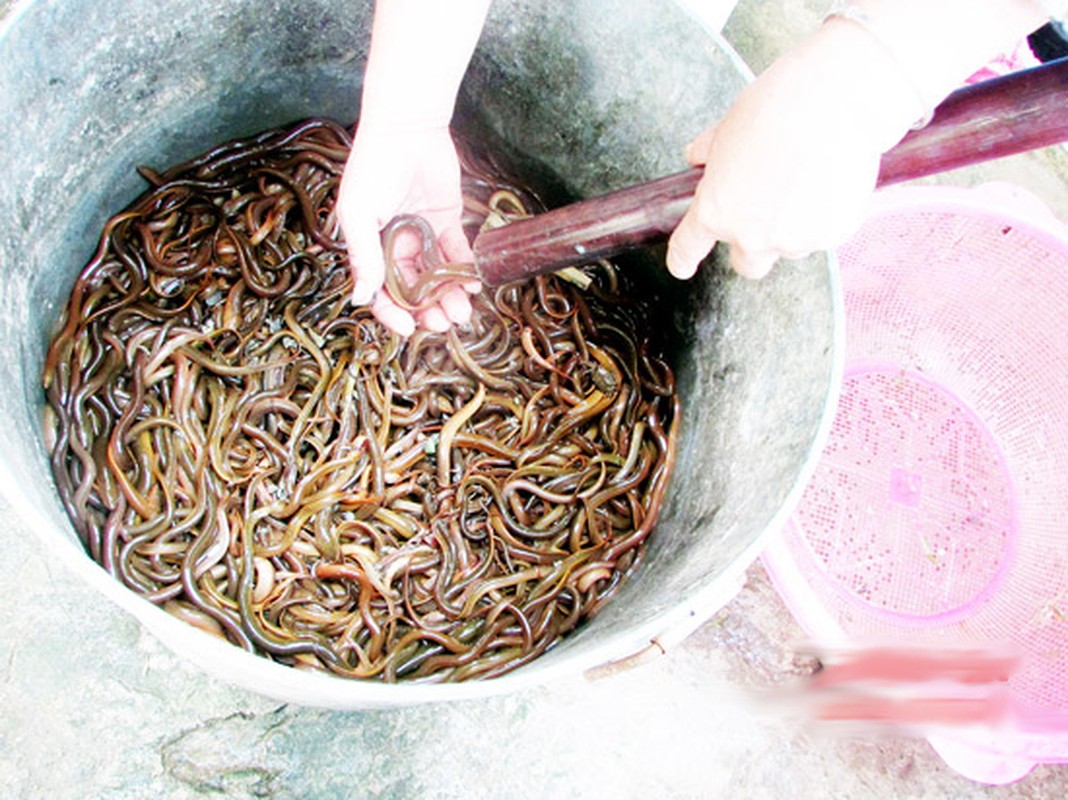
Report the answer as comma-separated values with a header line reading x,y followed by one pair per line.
x,y
998,117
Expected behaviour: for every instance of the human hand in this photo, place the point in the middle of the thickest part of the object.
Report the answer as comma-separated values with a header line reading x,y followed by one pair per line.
x,y
791,166
787,171
403,171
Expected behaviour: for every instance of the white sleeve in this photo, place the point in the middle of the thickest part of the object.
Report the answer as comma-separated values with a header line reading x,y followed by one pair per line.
x,y
1054,9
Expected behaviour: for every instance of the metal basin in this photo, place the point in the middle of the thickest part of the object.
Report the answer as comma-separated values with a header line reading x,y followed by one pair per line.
x,y
597,94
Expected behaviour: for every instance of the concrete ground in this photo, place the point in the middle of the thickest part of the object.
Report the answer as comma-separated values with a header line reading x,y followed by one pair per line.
x,y
93,707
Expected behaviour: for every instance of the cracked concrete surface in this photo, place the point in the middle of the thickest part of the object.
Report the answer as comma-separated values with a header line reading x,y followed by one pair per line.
x,y
94,707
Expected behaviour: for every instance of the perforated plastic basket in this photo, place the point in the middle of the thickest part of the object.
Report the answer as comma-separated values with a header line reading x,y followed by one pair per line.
x,y
938,513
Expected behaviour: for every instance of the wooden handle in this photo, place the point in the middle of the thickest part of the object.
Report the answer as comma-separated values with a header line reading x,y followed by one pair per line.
x,y
996,118
999,117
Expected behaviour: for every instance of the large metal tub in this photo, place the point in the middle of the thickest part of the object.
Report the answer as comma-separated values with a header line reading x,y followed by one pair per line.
x,y
599,93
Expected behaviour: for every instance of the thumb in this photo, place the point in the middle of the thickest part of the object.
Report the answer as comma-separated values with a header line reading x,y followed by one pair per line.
x,y
367,264
689,244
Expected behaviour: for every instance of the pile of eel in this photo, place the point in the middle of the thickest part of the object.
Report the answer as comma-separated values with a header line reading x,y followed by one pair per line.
x,y
237,442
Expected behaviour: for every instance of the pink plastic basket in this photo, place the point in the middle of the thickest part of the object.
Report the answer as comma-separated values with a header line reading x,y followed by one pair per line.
x,y
938,512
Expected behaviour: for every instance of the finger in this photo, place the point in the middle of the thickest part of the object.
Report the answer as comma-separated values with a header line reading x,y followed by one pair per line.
x,y
753,264
697,150
434,319
392,316
456,248
456,306
454,245
407,246
407,269
690,242
367,264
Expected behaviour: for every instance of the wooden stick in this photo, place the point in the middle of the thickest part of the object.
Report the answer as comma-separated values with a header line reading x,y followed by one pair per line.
x,y
1002,116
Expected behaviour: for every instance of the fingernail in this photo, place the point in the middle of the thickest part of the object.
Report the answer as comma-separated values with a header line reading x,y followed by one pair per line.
x,y
680,270
434,319
398,321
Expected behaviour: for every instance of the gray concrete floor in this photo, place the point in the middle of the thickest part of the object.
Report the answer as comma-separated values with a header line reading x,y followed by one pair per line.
x,y
94,707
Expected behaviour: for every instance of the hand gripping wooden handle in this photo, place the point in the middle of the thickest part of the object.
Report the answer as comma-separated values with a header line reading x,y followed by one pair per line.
x,y
998,117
